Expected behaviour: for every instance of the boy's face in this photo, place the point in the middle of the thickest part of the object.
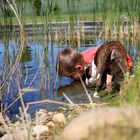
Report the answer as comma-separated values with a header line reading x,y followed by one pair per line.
x,y
75,75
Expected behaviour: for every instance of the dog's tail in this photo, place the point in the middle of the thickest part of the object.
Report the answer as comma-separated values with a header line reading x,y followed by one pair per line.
x,y
117,58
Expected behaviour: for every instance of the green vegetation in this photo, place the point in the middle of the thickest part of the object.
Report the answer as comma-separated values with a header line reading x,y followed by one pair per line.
x,y
111,13
130,93
105,9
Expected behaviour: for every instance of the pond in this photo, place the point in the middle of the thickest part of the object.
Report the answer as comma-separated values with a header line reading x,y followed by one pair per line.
x,y
37,71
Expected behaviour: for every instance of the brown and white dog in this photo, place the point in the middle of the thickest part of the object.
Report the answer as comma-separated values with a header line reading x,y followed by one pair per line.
x,y
111,58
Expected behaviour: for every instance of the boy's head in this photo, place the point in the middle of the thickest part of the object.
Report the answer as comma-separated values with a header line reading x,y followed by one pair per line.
x,y
70,63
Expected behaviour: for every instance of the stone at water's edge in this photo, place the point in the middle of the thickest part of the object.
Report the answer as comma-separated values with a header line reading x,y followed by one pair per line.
x,y
105,124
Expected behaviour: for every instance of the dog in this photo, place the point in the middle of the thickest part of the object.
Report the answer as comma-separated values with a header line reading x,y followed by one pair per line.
x,y
110,58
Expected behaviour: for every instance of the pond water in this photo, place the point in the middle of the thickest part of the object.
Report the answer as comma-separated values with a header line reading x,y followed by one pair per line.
x,y
37,70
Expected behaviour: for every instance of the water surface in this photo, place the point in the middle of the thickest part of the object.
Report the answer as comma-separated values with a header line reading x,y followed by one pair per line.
x,y
37,70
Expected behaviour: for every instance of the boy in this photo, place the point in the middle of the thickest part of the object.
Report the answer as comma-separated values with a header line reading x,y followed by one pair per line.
x,y
99,65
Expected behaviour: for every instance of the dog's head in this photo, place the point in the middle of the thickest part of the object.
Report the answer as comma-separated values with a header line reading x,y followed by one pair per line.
x,y
90,74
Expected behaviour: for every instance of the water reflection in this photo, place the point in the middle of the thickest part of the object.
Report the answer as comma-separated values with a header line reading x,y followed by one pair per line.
x,y
26,55
37,70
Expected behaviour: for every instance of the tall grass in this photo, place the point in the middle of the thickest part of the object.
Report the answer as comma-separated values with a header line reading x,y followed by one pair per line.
x,y
112,14
130,93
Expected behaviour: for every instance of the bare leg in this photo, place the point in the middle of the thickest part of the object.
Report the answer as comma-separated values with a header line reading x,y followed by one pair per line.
x,y
109,83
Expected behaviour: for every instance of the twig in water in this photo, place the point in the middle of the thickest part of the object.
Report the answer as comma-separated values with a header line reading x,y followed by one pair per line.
x,y
72,102
88,95
46,101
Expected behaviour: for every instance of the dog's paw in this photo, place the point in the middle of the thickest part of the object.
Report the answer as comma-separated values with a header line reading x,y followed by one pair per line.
x,y
96,95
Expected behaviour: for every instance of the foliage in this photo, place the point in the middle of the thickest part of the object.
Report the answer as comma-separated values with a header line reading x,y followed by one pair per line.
x,y
131,89
5,10
56,9
37,7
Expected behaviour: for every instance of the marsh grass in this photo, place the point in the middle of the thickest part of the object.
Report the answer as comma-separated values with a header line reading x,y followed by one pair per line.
x,y
130,93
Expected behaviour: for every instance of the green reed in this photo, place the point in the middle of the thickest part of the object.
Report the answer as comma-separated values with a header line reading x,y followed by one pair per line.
x,y
112,13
